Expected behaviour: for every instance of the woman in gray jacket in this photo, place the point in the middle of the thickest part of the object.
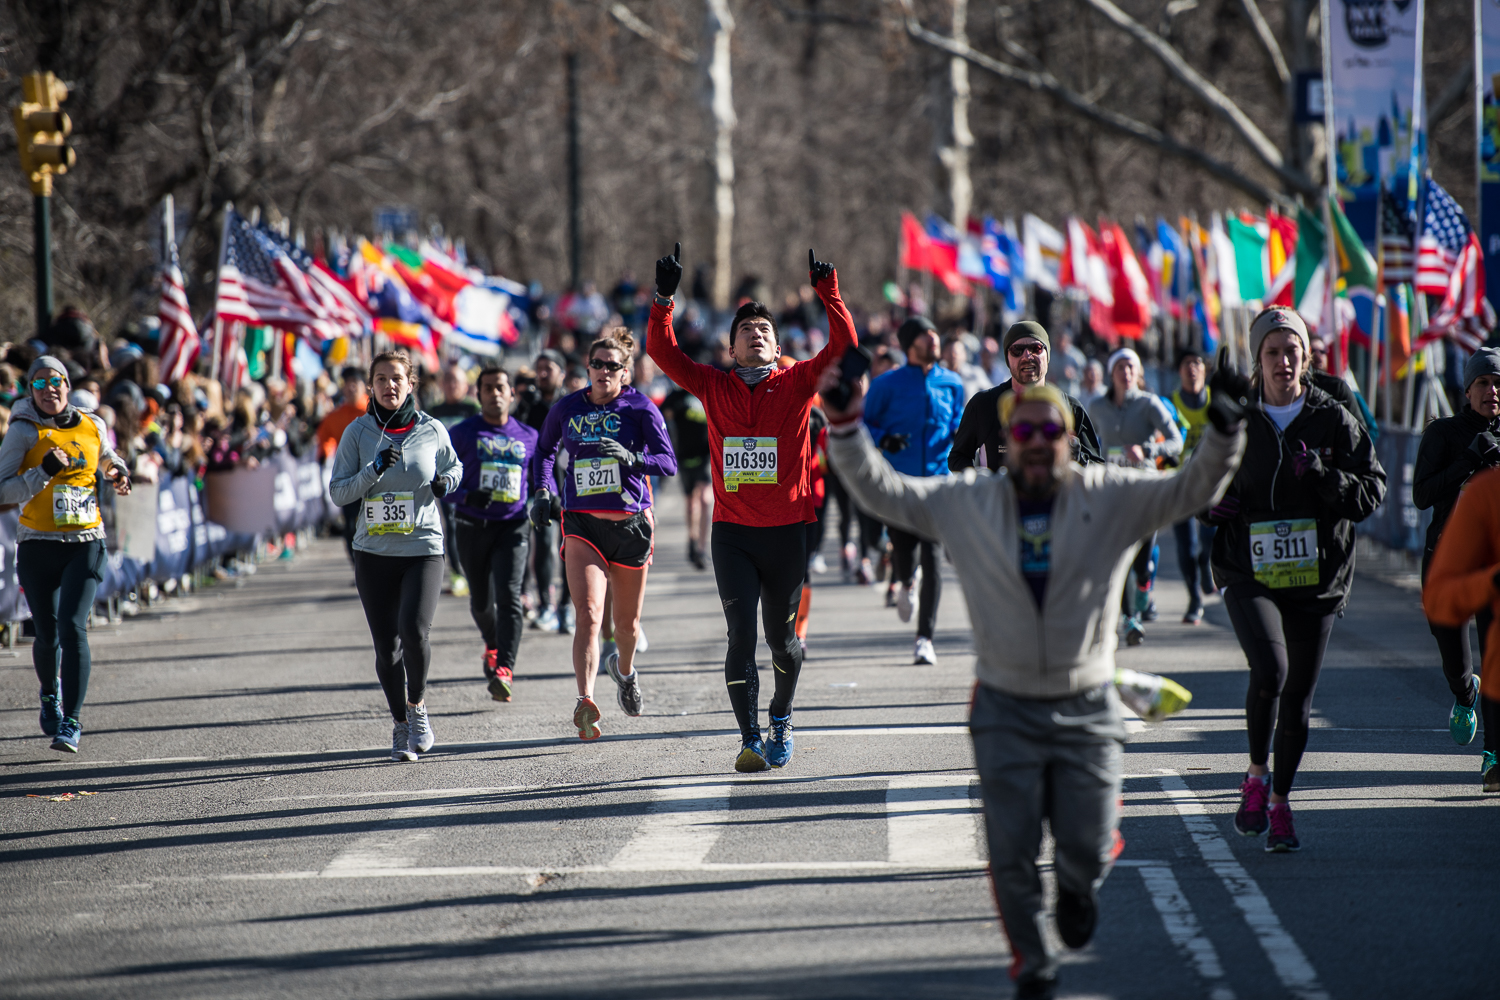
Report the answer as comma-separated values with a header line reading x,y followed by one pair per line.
x,y
395,463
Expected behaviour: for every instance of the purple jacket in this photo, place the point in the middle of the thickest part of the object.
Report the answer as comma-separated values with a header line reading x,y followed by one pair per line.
x,y
500,457
595,482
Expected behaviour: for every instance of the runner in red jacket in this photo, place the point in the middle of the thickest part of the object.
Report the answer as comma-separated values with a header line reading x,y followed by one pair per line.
x,y
757,432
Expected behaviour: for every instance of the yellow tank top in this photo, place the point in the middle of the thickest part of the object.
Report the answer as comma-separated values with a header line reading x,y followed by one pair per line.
x,y
1196,420
68,502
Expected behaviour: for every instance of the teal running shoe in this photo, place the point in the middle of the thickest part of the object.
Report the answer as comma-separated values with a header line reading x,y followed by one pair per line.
x,y
1134,633
67,736
1489,766
51,715
779,749
752,756
1463,722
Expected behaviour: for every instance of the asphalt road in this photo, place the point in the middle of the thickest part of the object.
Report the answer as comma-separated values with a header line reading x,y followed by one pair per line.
x,y
248,837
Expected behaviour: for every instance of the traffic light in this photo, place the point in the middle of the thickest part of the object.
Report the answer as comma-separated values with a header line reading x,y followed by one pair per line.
x,y
42,131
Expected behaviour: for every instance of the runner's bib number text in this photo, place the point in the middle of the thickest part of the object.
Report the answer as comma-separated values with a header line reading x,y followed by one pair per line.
x,y
501,480
390,514
1285,553
596,475
73,506
749,460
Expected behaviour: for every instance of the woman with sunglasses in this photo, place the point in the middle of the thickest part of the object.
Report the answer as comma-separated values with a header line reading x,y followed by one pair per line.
x,y
616,441
49,463
396,463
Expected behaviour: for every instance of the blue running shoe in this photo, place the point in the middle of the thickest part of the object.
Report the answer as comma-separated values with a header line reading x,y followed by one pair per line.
x,y
51,714
1463,722
1489,768
752,756
67,736
779,750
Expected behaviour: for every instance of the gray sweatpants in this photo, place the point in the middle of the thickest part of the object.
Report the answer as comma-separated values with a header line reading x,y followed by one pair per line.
x,y
1060,760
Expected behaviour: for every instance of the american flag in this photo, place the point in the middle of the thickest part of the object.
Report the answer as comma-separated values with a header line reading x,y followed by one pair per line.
x,y
259,284
179,342
1445,233
1465,314
234,367
315,283
1395,242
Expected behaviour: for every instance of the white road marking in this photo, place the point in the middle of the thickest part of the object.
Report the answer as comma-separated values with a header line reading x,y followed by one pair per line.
x,y
1290,964
681,827
609,869
1182,928
395,847
930,821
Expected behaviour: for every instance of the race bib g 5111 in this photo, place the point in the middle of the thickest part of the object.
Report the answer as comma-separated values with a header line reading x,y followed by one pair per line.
x,y
1285,553
749,460
390,514
74,506
596,475
501,480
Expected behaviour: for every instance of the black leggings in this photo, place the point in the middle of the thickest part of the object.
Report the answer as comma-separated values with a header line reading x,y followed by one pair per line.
x,y
764,566
60,580
1285,648
903,568
1453,648
546,563
1144,568
1195,546
835,491
400,595
493,554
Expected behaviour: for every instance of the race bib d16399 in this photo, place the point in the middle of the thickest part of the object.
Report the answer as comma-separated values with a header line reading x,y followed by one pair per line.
x,y
1285,553
596,475
390,514
501,480
749,460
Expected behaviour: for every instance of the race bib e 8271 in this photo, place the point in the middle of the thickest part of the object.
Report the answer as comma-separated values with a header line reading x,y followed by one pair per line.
x,y
749,460
596,475
390,514
1285,553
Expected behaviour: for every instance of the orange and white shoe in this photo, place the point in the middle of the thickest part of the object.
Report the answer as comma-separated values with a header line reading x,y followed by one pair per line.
x,y
586,718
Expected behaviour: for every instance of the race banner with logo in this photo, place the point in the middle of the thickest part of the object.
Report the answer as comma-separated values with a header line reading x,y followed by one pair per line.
x,y
1373,44
1489,145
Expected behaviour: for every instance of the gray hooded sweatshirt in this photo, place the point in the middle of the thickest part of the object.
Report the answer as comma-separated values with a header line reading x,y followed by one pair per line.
x,y
19,487
426,453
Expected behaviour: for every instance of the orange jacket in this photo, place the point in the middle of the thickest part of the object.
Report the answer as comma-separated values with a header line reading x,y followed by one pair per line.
x,y
333,426
1461,580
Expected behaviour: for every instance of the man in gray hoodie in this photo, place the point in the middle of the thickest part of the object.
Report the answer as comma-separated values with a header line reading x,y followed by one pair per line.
x,y
1042,550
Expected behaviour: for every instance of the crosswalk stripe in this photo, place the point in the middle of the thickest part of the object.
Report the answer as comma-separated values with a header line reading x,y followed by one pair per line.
x,y
681,827
930,821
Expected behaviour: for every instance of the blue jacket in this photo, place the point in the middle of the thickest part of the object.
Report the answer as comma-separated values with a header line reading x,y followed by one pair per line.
x,y
927,408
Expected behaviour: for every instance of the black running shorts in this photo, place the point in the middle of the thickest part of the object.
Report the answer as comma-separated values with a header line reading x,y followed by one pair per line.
x,y
620,543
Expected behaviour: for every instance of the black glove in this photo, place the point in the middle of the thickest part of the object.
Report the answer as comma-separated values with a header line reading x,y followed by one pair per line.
x,y
1229,399
439,486
894,442
669,272
1484,450
385,460
478,499
52,465
610,448
541,510
1306,461
817,269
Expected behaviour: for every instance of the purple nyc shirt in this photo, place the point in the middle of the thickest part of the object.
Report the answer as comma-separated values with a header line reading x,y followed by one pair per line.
x,y
595,482
495,457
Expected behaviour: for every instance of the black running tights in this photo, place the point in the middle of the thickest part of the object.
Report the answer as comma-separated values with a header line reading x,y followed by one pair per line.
x,y
493,554
760,566
904,566
400,595
1285,648
60,580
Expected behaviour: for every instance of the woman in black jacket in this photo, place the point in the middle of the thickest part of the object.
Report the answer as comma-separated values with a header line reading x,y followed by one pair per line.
x,y
1285,553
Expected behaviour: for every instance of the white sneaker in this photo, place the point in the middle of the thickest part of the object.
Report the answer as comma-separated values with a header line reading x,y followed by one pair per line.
x,y
819,564
924,653
641,645
903,602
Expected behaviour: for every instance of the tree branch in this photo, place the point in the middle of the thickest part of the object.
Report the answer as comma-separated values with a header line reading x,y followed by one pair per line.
x,y
1268,152
1124,125
1268,41
623,14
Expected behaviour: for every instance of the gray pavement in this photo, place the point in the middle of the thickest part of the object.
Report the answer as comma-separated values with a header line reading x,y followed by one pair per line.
x,y
249,837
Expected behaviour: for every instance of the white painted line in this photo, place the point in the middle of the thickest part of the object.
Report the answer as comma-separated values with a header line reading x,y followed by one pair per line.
x,y
396,846
930,821
1290,964
890,731
682,826
1182,928
609,869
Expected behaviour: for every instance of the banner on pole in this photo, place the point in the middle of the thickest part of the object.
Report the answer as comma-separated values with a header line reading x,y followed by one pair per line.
x,y
1489,146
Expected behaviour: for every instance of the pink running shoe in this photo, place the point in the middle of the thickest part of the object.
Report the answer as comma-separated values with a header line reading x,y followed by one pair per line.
x,y
1283,838
1255,792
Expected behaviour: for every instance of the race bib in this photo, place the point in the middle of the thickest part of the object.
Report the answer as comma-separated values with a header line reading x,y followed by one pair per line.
x,y
501,480
390,514
749,460
596,475
1285,553
74,506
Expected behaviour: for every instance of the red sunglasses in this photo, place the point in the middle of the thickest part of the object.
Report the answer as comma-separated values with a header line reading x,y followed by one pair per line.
x,y
1022,431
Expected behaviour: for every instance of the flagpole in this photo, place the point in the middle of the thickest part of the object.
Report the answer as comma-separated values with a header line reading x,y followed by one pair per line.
x,y
219,323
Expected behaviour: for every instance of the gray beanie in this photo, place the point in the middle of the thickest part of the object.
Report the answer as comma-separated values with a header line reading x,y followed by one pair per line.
x,y
1277,318
1485,361
44,362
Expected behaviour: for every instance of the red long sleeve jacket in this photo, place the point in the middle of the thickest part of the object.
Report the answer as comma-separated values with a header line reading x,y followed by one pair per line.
x,y
757,493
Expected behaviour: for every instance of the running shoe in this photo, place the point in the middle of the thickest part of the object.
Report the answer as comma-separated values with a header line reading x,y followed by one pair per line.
x,y
51,714
849,558
487,664
1283,838
752,756
641,645
890,596
627,689
565,620
546,621
903,603
819,564
1149,612
1463,722
863,574
1489,769
1194,615
421,730
779,749
67,736
459,585
1077,915
586,718
1036,989
401,743
500,683
695,556
1255,792
1135,633
923,653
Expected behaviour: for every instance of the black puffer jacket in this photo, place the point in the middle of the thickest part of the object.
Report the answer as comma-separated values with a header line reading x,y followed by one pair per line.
x,y
1444,464
1266,488
980,428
